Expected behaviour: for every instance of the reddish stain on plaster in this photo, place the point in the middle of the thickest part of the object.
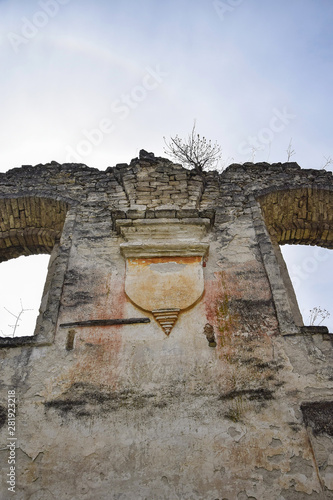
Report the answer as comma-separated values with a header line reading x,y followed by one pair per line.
x,y
212,295
97,348
237,306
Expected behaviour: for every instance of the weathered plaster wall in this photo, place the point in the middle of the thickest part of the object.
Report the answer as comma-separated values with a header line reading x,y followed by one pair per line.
x,y
127,412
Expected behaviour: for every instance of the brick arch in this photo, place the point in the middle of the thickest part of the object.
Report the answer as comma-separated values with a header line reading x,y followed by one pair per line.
x,y
30,225
299,216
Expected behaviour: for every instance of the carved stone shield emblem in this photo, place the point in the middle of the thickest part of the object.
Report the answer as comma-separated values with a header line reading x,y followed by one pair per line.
x,y
164,285
164,266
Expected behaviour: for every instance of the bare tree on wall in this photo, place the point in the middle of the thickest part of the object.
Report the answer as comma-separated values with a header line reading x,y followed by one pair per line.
x,y
195,151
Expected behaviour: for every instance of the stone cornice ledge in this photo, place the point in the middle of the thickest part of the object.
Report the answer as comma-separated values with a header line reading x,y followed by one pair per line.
x,y
163,237
149,250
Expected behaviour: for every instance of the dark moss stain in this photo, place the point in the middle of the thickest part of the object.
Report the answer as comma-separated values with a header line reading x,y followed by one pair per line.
x,y
160,404
251,361
17,341
248,275
80,298
262,394
86,400
295,426
319,416
253,313
3,416
239,402
73,277
260,365
252,304
74,281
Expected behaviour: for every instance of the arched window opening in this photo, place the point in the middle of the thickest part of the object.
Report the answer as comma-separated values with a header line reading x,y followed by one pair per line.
x,y
311,272
299,220
30,226
22,281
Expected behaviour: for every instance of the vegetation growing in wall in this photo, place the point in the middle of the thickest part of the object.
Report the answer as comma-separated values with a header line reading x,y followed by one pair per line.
x,y
318,315
194,152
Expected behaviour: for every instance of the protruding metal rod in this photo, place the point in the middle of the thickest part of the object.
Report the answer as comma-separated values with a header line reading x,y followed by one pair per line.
x,y
106,322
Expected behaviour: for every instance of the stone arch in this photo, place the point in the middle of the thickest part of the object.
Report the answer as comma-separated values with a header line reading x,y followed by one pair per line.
x,y
292,216
299,216
32,225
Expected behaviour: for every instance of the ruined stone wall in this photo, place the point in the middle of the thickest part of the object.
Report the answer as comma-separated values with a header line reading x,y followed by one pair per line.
x,y
169,359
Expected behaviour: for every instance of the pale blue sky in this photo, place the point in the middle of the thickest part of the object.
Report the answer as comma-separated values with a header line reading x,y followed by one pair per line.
x,y
229,71
150,67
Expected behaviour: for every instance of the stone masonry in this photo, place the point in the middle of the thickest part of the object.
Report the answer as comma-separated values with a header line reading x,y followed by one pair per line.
x,y
169,360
